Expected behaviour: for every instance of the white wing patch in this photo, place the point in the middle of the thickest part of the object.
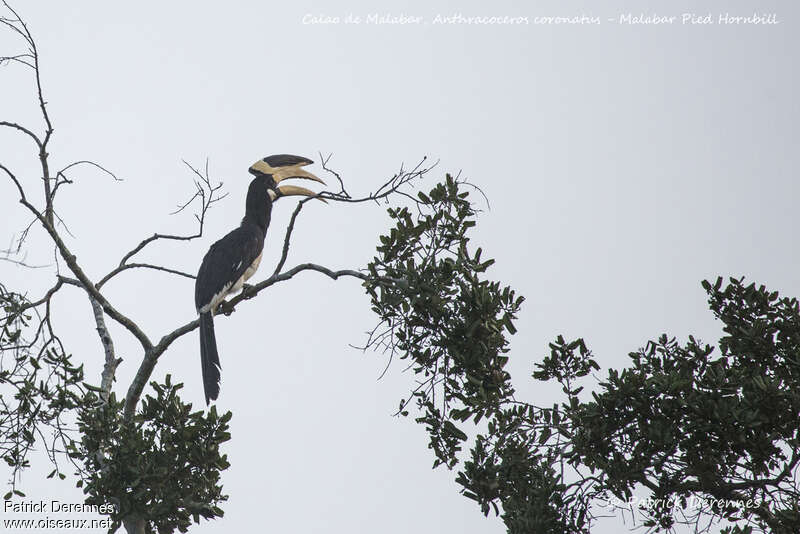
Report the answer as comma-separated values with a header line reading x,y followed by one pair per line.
x,y
253,266
216,299
250,271
231,287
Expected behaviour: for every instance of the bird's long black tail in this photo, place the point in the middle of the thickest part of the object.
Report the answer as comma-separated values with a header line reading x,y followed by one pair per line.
x,y
209,358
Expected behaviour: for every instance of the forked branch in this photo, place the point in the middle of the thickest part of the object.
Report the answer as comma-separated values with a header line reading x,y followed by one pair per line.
x,y
206,194
395,185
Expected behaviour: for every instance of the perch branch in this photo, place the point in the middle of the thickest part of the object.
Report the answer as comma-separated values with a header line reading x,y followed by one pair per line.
x,y
151,356
393,185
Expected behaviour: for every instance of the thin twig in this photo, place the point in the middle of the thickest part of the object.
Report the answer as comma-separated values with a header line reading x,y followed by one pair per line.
x,y
61,177
127,266
5,255
23,130
208,199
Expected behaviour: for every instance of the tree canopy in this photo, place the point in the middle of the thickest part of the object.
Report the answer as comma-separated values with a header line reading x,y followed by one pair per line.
x,y
687,434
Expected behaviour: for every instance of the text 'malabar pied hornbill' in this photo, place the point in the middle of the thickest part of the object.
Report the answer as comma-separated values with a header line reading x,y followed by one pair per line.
x,y
233,259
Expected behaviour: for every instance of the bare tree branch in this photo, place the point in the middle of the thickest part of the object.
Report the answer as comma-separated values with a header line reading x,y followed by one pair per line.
x,y
205,195
91,163
208,193
46,298
287,238
110,367
6,256
19,58
86,283
19,27
14,179
61,177
23,130
12,23
323,161
24,235
151,356
127,266
393,185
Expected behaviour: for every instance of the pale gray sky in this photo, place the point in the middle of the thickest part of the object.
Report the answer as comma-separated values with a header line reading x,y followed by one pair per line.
x,y
624,163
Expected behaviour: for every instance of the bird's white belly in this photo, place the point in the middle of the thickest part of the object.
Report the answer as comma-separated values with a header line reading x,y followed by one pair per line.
x,y
231,288
250,271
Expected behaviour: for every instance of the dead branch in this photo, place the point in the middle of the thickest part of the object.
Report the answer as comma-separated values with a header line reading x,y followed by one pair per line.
x,y
207,193
6,256
86,283
110,367
127,266
151,357
323,161
47,296
393,185
23,130
14,179
61,176
19,58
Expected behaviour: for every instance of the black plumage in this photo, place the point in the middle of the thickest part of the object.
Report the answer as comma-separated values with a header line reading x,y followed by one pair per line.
x,y
226,266
232,260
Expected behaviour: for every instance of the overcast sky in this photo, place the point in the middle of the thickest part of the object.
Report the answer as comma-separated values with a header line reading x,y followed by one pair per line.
x,y
624,163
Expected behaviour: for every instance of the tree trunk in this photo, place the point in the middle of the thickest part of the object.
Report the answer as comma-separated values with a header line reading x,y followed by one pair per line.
x,y
134,525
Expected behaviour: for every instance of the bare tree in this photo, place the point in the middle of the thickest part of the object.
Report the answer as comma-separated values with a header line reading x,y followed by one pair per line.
x,y
98,421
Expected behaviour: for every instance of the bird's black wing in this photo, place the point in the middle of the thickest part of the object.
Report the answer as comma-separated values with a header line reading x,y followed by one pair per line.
x,y
226,261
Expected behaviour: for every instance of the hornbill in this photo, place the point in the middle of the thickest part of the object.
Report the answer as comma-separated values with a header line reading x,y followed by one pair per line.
x,y
234,258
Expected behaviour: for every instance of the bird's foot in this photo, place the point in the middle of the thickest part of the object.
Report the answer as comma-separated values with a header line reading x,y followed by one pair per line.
x,y
224,308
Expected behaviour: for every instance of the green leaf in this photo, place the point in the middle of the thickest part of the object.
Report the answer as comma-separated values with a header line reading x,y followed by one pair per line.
x,y
545,435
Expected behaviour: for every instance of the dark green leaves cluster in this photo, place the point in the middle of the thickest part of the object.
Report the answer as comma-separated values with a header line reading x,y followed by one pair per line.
x,y
711,436
511,466
687,424
39,386
164,467
436,310
519,462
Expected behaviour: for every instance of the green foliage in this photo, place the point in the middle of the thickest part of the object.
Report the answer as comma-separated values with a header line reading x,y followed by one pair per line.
x,y
685,423
711,437
712,434
437,311
164,467
39,386
509,466
519,462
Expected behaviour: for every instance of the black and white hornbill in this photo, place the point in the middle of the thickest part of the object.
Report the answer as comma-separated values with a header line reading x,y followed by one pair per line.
x,y
233,259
